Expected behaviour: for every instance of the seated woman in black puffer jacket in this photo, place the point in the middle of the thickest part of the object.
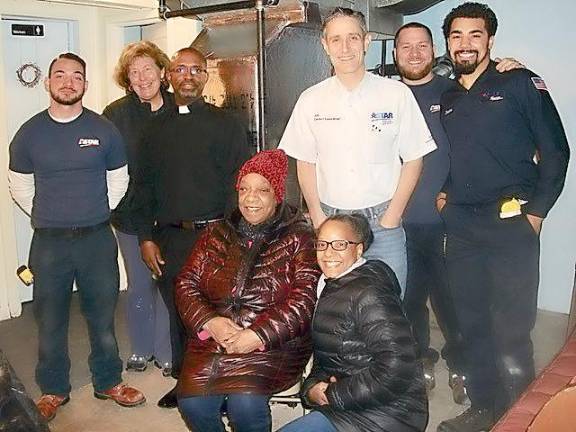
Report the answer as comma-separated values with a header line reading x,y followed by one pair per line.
x,y
365,375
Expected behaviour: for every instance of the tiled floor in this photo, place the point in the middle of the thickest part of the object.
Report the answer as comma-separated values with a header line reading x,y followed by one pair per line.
x,y
87,414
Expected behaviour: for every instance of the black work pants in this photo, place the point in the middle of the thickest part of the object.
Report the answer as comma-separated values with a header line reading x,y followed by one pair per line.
x,y
175,245
428,277
493,268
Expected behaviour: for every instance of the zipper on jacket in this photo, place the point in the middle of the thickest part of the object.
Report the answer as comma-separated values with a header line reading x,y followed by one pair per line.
x,y
214,368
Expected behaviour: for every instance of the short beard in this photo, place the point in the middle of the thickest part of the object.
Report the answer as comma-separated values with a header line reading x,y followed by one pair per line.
x,y
414,75
67,102
465,68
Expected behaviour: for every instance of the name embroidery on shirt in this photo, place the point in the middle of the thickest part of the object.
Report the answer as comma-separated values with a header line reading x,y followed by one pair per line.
x,y
492,96
318,117
88,142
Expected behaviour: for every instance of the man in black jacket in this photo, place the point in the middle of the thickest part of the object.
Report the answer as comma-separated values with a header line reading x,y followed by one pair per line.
x,y
185,181
509,156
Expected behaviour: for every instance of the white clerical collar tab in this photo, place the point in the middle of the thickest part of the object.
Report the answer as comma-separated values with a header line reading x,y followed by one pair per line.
x,y
183,109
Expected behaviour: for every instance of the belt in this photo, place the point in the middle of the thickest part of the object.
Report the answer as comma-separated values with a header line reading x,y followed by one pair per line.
x,y
72,231
370,212
193,225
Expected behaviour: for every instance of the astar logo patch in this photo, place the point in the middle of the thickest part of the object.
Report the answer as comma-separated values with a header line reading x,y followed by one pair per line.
x,y
88,142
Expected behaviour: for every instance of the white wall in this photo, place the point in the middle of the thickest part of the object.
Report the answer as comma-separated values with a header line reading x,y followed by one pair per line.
x,y
542,36
94,29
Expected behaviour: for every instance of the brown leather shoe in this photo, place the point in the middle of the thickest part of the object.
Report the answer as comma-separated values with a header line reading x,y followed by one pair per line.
x,y
48,404
123,395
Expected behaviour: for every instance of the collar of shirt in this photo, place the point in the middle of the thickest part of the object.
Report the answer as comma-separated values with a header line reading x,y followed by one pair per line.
x,y
187,109
65,120
357,92
485,75
322,280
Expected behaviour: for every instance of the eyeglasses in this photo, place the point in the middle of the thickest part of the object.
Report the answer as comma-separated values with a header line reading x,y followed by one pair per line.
x,y
337,245
194,70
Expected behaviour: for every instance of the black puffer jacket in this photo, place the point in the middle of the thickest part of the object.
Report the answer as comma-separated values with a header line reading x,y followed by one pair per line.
x,y
362,338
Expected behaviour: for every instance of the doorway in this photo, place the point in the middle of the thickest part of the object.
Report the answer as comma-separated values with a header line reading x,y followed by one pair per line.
x,y
29,46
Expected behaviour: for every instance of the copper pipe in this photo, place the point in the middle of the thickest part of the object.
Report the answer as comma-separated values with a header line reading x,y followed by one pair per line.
x,y
248,4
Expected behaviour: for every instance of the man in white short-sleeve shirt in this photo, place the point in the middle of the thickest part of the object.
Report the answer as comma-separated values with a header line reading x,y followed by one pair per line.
x,y
359,140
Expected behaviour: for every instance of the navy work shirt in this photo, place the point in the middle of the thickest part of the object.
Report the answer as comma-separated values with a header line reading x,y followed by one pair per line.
x,y
495,130
69,162
422,206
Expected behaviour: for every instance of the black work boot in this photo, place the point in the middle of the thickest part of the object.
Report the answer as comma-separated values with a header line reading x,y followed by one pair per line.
x,y
471,420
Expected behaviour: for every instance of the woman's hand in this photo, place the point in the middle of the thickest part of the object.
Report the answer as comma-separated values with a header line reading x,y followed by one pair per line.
x,y
242,342
317,393
221,329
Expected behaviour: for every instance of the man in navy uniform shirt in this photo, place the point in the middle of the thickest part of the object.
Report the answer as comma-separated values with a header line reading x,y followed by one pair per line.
x,y
509,156
67,170
427,276
425,234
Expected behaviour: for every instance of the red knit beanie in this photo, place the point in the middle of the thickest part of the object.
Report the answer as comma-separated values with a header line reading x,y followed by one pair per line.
x,y
270,164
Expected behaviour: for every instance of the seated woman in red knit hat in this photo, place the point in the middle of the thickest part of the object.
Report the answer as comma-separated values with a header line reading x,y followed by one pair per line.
x,y
246,297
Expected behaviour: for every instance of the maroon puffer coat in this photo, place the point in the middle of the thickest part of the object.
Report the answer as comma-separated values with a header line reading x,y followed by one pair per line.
x,y
269,286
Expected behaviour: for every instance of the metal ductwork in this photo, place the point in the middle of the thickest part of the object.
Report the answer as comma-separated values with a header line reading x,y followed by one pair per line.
x,y
263,53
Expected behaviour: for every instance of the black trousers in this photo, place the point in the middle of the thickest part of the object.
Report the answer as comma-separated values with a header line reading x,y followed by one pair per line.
x,y
428,277
175,245
493,269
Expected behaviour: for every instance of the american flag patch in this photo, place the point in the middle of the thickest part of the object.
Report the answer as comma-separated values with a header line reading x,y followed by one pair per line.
x,y
539,83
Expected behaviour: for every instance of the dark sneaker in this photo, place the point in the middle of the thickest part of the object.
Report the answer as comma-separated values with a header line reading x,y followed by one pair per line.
x,y
137,363
429,377
169,400
165,367
471,420
458,385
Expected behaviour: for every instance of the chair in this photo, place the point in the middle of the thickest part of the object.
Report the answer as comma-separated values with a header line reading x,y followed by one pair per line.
x,y
291,396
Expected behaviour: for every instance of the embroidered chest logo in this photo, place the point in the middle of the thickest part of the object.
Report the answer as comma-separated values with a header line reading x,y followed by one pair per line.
x,y
318,117
435,108
88,142
493,96
380,119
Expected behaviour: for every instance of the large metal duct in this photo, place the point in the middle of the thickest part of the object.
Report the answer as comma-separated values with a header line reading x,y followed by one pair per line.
x,y
262,56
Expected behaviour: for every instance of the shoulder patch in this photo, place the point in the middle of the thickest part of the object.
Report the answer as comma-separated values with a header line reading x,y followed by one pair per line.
x,y
539,83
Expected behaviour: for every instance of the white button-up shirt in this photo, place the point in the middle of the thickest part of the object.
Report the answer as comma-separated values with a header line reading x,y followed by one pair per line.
x,y
357,139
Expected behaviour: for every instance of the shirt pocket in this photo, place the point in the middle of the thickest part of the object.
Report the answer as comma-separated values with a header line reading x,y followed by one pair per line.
x,y
380,144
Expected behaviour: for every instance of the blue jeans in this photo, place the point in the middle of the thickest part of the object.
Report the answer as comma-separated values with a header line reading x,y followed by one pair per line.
x,y
246,412
146,312
313,422
389,244
57,259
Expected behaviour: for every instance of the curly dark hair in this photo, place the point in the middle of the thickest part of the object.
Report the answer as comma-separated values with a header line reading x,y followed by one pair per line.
x,y
359,224
472,10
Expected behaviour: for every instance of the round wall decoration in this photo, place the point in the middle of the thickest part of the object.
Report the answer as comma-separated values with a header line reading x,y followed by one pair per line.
x,y
29,75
